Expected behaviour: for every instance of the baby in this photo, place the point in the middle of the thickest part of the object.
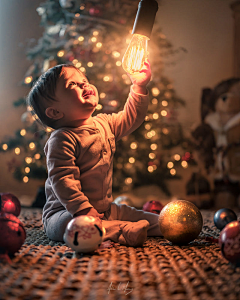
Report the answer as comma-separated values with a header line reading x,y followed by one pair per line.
x,y
79,153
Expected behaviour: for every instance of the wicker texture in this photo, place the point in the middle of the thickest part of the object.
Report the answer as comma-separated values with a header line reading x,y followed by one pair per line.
x,y
43,269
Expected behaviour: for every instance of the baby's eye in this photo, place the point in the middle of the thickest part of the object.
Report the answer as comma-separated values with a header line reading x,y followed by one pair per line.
x,y
72,83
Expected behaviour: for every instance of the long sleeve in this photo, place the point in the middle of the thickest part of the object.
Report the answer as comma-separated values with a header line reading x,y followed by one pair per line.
x,y
63,173
131,117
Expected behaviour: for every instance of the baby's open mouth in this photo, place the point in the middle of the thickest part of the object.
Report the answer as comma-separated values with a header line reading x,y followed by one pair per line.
x,y
87,92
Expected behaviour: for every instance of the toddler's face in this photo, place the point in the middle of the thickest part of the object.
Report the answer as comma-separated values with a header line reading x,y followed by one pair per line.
x,y
76,98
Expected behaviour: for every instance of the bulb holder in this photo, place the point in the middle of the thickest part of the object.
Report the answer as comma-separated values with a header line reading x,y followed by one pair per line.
x,y
145,17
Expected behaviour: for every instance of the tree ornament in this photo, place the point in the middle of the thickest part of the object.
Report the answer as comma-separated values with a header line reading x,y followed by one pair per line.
x,y
71,5
224,216
153,207
12,235
84,234
123,200
10,204
180,221
229,242
95,11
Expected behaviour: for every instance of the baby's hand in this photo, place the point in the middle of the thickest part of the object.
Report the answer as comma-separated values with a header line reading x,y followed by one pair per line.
x,y
90,211
141,78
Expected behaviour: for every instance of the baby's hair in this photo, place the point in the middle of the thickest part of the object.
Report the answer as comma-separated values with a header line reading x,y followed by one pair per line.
x,y
44,88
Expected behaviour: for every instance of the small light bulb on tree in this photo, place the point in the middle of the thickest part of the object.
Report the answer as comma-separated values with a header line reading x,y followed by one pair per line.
x,y
137,51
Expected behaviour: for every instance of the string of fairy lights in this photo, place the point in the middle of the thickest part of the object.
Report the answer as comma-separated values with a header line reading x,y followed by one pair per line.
x,y
150,134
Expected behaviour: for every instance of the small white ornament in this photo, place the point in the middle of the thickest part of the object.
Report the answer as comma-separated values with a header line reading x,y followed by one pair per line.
x,y
72,5
84,234
66,3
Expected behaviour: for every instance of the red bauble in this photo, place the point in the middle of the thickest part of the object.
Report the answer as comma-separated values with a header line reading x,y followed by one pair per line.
x,y
153,207
95,11
12,233
10,204
229,242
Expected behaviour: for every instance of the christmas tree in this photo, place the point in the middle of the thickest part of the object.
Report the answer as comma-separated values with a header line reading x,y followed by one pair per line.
x,y
93,35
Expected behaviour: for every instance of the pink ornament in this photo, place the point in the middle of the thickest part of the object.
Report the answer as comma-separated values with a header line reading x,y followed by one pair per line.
x,y
153,207
95,11
10,204
12,233
229,242
84,234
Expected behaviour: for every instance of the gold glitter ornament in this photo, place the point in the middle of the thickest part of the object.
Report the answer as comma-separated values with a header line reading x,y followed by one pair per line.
x,y
180,221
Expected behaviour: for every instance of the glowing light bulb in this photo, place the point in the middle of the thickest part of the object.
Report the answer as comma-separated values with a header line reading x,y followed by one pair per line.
x,y
135,54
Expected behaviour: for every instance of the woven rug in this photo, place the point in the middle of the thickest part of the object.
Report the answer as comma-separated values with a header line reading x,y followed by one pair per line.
x,y
43,269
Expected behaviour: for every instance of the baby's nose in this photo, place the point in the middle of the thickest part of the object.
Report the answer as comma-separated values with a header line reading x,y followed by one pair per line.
x,y
84,84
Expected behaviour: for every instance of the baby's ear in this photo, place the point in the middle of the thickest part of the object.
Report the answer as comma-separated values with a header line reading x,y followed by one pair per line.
x,y
53,113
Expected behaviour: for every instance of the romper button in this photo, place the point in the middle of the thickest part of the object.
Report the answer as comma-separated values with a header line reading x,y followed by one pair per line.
x,y
104,152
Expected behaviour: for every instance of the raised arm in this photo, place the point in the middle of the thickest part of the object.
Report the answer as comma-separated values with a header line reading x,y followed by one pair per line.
x,y
135,108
